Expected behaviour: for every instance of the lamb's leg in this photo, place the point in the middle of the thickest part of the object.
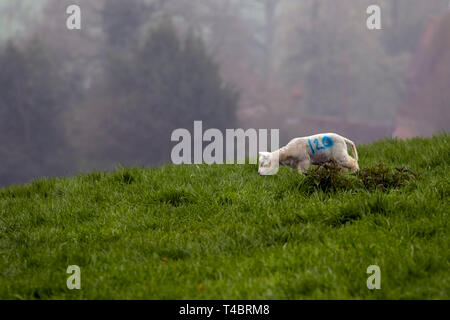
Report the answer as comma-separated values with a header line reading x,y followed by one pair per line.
x,y
303,165
345,161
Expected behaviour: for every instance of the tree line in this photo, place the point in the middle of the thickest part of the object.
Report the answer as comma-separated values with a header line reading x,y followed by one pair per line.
x,y
57,117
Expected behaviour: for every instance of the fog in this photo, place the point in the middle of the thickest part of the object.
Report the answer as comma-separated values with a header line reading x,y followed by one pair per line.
x,y
112,92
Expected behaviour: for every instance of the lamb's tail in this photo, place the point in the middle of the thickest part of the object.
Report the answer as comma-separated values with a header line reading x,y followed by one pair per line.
x,y
352,145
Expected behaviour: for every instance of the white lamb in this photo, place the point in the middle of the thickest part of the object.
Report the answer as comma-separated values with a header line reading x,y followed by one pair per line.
x,y
300,153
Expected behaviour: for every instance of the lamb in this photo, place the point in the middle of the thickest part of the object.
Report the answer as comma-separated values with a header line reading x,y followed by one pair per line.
x,y
300,153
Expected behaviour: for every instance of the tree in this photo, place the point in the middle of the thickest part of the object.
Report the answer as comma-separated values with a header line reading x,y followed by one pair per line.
x,y
167,83
341,67
35,93
121,22
425,108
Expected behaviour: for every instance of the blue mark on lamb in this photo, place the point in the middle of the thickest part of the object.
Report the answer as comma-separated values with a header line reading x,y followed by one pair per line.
x,y
327,142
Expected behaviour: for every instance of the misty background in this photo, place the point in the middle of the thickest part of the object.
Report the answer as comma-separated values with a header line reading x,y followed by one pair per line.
x,y
112,93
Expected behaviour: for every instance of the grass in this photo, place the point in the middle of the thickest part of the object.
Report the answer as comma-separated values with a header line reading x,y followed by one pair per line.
x,y
223,232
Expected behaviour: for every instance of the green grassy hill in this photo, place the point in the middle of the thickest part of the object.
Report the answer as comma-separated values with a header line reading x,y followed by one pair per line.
x,y
223,232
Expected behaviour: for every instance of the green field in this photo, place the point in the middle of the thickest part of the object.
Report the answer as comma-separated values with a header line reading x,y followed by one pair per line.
x,y
223,232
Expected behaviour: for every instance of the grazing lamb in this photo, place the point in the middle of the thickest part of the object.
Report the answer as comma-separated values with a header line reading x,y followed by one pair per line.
x,y
300,153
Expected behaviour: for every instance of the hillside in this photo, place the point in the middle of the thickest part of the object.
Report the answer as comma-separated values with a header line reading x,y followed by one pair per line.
x,y
223,232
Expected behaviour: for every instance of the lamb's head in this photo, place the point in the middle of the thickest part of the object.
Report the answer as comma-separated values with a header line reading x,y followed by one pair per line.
x,y
267,164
